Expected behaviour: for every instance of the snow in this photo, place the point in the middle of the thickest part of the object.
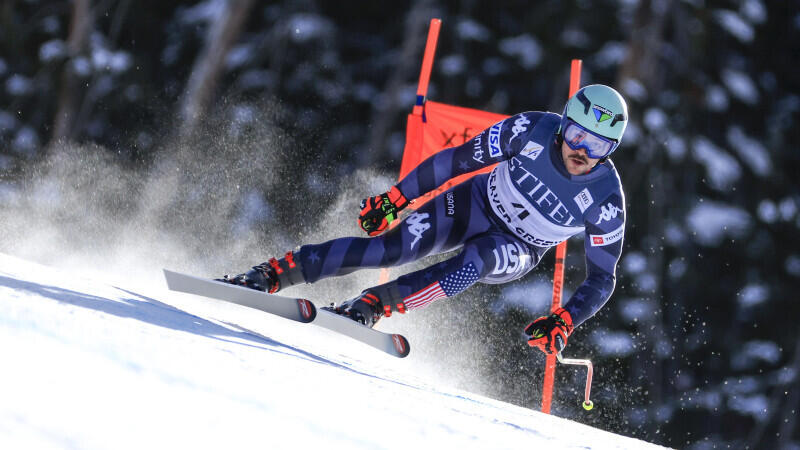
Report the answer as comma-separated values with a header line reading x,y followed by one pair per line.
x,y
753,294
677,268
51,25
716,98
612,343
81,66
525,48
754,11
533,297
307,27
26,141
19,85
634,262
756,351
750,150
126,364
202,12
453,64
634,88
633,133
239,55
722,169
655,119
7,122
713,222
676,147
575,37
754,405
788,208
785,210
740,85
637,309
116,62
767,211
52,50
735,25
610,54
494,66
470,29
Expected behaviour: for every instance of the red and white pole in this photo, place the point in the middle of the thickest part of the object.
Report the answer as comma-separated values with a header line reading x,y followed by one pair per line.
x,y
558,275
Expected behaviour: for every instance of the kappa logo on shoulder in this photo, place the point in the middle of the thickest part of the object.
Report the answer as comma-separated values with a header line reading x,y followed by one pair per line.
x,y
519,127
608,212
532,150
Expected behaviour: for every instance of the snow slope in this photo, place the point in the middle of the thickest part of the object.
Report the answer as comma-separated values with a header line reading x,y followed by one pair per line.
x,y
86,364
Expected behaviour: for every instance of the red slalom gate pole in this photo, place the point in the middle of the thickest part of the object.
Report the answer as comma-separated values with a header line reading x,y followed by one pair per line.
x,y
427,64
422,92
558,275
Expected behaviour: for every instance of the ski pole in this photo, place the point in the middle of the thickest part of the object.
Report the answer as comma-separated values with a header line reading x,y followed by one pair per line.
x,y
587,404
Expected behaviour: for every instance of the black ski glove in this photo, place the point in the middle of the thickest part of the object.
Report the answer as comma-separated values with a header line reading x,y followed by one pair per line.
x,y
379,211
549,333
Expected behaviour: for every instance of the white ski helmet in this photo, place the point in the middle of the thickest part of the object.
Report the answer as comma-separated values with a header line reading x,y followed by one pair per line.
x,y
599,110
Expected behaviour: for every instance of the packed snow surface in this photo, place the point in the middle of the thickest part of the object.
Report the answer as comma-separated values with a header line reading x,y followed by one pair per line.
x,y
96,364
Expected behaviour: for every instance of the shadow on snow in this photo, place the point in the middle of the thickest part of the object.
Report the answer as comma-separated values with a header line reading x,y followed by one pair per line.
x,y
154,312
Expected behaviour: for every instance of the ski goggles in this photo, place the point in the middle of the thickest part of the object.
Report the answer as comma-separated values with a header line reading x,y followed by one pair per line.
x,y
596,146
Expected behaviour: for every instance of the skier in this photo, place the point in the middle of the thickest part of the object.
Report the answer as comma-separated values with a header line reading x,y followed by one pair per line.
x,y
554,180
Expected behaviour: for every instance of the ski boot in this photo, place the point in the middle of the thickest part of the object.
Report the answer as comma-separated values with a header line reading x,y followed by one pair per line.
x,y
270,276
367,308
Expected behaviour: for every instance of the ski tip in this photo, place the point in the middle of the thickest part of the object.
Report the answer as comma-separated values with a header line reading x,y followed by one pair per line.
x,y
308,312
401,345
168,277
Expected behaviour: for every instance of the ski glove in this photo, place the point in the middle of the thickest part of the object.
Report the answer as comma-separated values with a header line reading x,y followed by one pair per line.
x,y
549,333
379,211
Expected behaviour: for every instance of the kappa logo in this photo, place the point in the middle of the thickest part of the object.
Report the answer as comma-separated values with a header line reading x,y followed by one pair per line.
x,y
608,212
519,127
601,114
532,150
417,227
584,199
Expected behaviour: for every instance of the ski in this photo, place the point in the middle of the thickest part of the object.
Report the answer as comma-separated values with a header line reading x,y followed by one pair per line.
x,y
298,309
393,344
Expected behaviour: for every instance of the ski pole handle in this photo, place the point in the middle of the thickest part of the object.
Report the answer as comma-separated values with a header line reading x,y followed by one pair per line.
x,y
587,404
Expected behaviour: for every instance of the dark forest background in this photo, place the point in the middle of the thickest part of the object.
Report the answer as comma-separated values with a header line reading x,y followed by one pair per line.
x,y
234,126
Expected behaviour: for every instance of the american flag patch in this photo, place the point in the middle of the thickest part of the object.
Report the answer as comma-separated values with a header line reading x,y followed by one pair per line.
x,y
449,286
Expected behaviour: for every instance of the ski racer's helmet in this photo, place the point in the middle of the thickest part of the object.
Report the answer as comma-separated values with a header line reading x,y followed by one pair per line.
x,y
594,119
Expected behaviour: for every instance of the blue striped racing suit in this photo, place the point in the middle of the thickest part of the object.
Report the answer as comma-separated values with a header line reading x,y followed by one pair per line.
x,y
500,222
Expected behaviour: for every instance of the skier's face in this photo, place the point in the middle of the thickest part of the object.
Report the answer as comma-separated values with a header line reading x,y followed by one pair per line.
x,y
576,161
